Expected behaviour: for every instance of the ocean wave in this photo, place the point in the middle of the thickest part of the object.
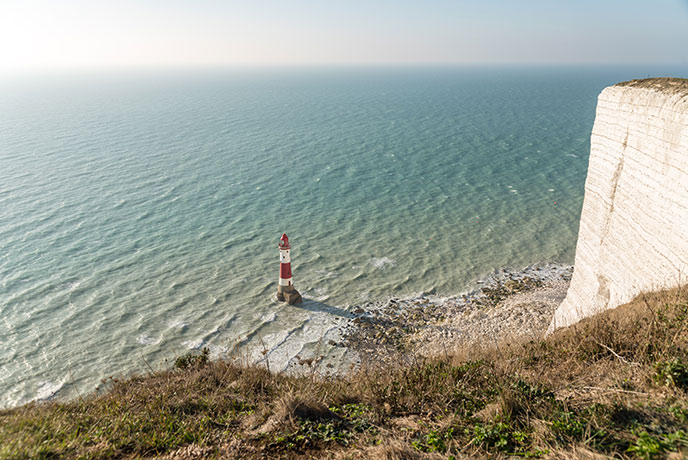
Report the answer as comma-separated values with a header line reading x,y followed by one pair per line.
x,y
193,344
325,274
319,294
177,324
47,390
145,339
382,262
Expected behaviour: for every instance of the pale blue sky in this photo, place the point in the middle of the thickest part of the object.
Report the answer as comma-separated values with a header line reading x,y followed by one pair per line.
x,y
67,34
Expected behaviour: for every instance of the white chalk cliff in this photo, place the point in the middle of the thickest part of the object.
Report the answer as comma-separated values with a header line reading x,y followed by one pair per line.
x,y
633,233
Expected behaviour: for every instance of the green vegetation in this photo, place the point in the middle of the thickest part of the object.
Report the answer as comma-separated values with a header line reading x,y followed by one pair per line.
x,y
191,361
612,386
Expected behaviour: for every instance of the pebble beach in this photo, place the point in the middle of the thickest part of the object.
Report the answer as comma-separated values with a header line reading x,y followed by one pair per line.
x,y
506,305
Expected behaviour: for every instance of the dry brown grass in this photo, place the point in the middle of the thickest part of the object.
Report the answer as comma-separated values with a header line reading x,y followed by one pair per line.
x,y
664,84
611,386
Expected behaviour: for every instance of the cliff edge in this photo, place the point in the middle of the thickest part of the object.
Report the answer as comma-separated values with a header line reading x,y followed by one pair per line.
x,y
633,234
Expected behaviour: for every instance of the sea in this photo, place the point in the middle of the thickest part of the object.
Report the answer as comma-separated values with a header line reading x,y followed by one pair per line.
x,y
140,211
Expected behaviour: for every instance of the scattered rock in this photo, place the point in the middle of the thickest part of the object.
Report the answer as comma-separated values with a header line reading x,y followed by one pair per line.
x,y
422,325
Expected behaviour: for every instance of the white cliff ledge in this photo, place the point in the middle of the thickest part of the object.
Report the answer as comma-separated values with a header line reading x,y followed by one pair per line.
x,y
633,233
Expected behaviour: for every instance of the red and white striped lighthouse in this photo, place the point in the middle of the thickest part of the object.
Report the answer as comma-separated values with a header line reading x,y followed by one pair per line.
x,y
285,289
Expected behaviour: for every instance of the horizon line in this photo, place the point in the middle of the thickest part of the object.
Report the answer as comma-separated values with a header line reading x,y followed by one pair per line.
x,y
45,71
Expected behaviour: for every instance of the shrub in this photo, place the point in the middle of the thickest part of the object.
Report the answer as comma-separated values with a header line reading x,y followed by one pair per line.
x,y
192,360
673,373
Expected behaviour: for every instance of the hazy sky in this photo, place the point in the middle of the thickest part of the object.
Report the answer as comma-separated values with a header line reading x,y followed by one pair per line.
x,y
67,34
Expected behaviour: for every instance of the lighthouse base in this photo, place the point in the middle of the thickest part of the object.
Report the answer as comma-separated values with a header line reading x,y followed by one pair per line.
x,y
288,294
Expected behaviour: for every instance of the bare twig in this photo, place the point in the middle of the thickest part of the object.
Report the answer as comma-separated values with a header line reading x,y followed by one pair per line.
x,y
150,369
616,390
621,358
71,377
264,352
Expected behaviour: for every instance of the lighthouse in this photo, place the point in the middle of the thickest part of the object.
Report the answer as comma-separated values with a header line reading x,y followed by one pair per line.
x,y
285,289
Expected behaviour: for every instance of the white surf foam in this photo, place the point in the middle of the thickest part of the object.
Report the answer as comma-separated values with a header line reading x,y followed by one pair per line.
x,y
177,324
47,390
195,344
145,339
381,262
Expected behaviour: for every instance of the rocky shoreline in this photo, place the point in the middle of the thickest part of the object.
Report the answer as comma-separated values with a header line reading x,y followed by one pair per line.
x,y
505,304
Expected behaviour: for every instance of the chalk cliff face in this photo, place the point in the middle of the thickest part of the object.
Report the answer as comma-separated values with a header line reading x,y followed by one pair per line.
x,y
634,226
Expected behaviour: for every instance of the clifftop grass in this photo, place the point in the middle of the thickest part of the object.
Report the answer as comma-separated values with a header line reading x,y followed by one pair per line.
x,y
664,84
614,385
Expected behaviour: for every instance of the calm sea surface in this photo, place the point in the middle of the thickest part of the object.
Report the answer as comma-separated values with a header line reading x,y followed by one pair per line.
x,y
140,213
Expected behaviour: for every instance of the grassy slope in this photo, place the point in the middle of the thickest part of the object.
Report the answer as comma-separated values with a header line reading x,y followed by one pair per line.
x,y
613,385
